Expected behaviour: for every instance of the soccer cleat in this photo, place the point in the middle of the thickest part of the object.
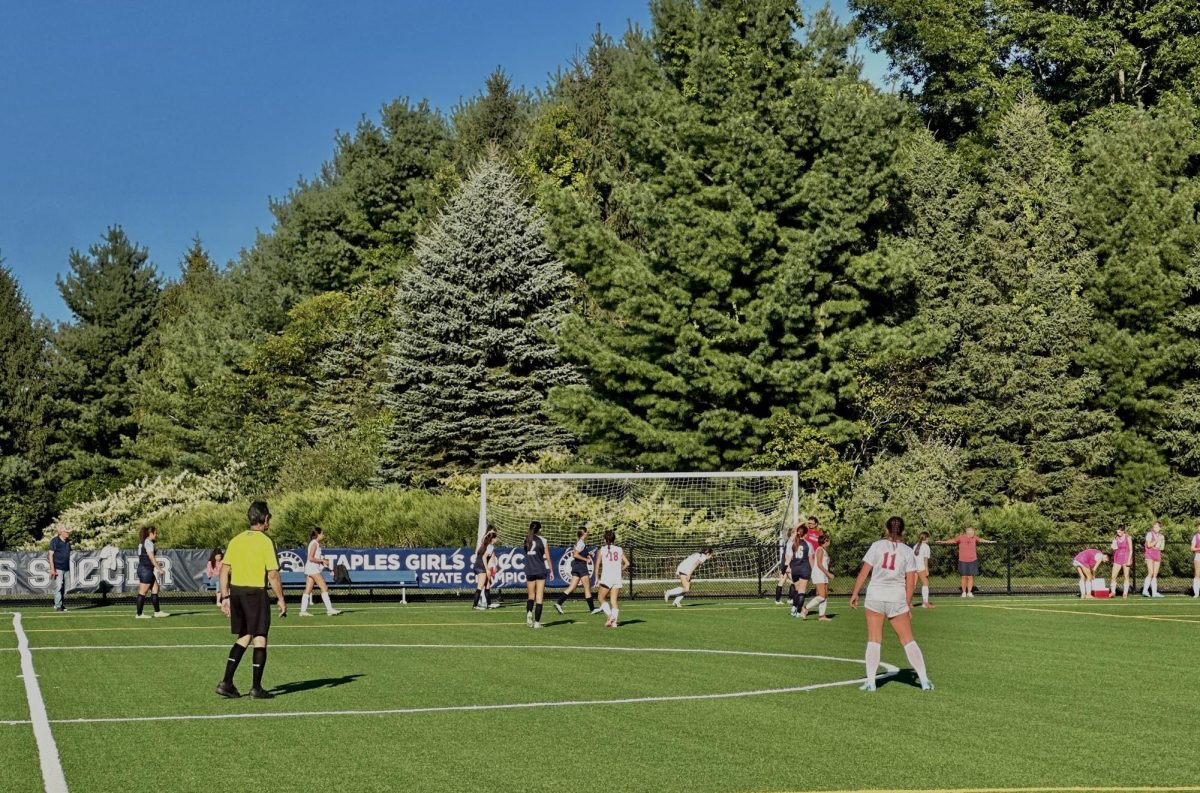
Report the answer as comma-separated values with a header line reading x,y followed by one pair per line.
x,y
823,618
143,617
493,605
795,612
608,623
778,602
162,613
868,687
927,606
529,618
963,595
927,685
597,611
228,690
970,594
476,608
261,693
305,614
666,597
558,608
537,625
678,603
333,613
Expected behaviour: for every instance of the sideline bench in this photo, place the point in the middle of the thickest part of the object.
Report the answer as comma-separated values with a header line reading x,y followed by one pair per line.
x,y
369,580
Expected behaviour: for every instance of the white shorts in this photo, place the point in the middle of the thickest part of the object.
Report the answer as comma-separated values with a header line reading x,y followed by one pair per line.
x,y
888,608
921,564
609,583
1080,565
1196,558
818,577
312,568
681,573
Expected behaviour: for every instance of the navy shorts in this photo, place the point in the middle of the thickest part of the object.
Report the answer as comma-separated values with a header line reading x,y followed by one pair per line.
x,y
968,568
535,576
801,572
579,570
146,575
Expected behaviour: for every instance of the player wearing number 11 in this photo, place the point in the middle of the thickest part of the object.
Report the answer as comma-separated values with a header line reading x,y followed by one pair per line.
x,y
893,571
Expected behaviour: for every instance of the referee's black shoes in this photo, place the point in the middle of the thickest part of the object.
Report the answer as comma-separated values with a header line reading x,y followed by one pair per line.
x,y
260,693
228,690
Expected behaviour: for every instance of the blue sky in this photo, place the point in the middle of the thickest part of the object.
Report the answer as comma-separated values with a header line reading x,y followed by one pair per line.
x,y
177,119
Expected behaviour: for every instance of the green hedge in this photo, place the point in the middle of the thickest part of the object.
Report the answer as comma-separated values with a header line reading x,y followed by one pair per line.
x,y
391,517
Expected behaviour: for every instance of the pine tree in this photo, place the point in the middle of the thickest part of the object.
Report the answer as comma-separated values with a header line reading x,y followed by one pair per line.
x,y
23,391
498,117
724,246
1135,204
112,292
472,360
198,345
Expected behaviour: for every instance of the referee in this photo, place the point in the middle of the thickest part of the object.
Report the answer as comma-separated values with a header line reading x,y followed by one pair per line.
x,y
249,562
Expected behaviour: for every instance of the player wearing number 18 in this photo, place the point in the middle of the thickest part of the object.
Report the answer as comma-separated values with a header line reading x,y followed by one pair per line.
x,y
893,571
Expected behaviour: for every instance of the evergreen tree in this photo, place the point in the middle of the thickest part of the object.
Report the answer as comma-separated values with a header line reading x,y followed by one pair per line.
x,y
356,222
498,117
112,292
724,248
967,61
23,391
472,360
1135,204
199,343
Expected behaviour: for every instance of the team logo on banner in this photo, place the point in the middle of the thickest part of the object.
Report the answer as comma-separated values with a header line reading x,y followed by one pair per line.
x,y
566,560
290,562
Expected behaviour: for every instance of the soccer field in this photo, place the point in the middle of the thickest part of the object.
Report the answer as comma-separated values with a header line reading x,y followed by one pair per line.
x,y
1031,693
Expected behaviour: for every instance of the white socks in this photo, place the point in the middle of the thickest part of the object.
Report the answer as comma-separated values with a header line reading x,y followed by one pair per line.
x,y
925,595
1154,587
325,600
1083,585
1125,587
673,592
678,600
483,598
873,661
615,614
1196,587
915,657
818,602
824,603
304,601
607,609
1146,587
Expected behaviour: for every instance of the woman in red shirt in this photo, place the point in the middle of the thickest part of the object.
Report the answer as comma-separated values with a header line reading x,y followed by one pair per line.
x,y
968,559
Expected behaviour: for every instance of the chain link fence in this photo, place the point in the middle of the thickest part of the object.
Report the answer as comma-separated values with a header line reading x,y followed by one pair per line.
x,y
752,570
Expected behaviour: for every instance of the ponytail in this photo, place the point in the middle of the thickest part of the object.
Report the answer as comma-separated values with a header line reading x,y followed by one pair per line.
x,y
535,528
317,532
895,528
610,537
145,532
488,536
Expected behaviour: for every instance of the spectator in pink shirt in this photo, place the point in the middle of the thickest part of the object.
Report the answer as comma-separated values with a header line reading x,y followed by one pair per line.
x,y
1087,562
968,559
212,571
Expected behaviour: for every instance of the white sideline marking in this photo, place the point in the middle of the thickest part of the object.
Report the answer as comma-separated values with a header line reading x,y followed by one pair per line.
x,y
52,773
889,671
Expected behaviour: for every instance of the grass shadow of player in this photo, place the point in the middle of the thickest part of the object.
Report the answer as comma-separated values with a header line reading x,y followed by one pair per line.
x,y
631,622
558,622
907,677
308,685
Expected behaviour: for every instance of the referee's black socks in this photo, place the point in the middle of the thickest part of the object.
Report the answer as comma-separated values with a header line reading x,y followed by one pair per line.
x,y
260,662
235,658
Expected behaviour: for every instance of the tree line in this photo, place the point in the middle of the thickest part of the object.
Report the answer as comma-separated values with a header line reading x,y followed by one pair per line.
x,y
708,245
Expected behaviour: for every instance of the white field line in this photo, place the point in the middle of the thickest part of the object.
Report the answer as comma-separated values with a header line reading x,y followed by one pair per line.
x,y
889,671
52,773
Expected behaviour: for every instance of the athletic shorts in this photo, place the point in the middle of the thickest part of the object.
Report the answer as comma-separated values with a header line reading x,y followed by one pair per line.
x,y
888,608
801,572
579,570
535,576
1196,558
968,568
818,577
249,611
1153,555
477,569
312,568
146,575
610,584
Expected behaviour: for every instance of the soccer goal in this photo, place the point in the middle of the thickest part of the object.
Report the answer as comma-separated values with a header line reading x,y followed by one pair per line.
x,y
659,519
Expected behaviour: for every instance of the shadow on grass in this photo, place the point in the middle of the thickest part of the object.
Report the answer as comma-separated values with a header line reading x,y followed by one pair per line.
x,y
631,622
308,685
558,622
905,677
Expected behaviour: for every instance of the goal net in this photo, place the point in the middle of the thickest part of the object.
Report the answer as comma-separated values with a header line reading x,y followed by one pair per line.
x,y
659,520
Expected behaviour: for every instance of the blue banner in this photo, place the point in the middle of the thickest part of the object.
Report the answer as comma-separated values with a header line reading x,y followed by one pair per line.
x,y
436,568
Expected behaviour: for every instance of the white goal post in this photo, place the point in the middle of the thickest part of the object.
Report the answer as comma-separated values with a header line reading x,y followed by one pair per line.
x,y
658,517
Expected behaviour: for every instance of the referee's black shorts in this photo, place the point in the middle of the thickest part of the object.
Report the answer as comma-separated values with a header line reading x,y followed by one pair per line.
x,y
249,611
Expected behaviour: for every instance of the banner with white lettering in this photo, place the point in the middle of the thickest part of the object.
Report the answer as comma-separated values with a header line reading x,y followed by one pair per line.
x,y
115,570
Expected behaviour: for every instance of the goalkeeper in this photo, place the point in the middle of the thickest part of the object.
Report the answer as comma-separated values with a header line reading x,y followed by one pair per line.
x,y
685,571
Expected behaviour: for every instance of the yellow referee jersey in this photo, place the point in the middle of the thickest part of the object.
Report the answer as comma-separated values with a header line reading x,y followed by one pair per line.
x,y
250,556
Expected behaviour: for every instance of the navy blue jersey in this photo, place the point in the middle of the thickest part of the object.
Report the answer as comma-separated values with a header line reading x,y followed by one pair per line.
x,y
535,561
145,548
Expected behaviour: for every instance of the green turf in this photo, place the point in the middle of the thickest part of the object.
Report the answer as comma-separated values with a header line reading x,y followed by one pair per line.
x,y
1030,692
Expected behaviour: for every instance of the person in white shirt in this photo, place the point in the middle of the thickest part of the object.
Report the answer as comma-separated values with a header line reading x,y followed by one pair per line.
x,y
893,571
314,568
612,564
921,554
820,578
481,567
685,571
785,540
1196,562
